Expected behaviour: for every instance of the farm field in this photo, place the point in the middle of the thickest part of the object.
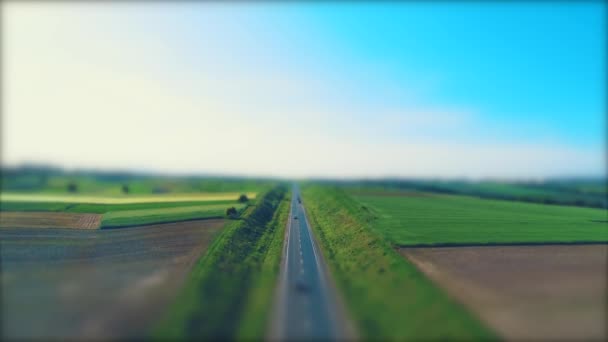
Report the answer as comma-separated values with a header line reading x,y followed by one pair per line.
x,y
414,218
83,284
525,292
49,220
117,212
146,216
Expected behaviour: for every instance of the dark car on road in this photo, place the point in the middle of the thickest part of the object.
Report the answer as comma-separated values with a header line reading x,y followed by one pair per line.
x,y
302,286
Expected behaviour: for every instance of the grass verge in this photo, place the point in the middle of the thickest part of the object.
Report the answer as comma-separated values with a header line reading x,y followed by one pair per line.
x,y
386,295
218,296
257,310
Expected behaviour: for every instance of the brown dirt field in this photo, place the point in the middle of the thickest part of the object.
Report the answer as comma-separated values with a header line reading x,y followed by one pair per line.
x,y
95,284
18,219
546,292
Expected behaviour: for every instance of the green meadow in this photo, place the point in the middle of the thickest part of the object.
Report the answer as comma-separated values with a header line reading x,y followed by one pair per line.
x,y
417,218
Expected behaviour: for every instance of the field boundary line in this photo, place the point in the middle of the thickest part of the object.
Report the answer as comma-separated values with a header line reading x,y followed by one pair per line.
x,y
498,244
219,217
275,330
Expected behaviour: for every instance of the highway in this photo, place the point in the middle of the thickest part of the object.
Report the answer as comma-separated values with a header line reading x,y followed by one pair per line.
x,y
306,307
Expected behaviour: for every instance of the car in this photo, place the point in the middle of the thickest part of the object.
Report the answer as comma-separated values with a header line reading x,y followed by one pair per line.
x,y
302,286
295,217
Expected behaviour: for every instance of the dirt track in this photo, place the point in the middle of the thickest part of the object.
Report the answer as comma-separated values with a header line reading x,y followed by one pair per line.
x,y
84,284
525,292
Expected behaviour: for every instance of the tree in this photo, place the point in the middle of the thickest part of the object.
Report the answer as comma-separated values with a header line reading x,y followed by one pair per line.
x,y
243,198
231,212
72,187
125,189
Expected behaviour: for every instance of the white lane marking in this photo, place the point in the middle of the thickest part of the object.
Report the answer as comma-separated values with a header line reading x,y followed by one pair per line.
x,y
281,309
323,281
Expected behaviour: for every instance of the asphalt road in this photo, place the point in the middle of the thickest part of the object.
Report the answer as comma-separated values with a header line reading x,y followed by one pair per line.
x,y
307,306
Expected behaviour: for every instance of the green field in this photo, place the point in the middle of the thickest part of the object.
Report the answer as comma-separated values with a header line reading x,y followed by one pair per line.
x,y
583,193
125,218
411,219
387,296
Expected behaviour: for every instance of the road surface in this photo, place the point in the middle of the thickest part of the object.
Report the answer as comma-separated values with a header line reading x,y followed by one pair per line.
x,y
307,306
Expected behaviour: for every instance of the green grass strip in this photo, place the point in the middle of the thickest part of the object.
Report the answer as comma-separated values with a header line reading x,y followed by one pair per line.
x,y
257,310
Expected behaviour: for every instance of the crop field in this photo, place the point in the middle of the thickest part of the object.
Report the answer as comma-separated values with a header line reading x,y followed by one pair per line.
x,y
84,284
49,220
526,292
145,216
407,218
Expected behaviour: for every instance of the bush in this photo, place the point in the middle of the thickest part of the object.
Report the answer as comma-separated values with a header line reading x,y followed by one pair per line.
x,y
231,212
243,198
125,189
72,187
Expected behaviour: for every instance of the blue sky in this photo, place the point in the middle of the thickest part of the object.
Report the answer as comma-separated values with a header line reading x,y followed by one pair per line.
x,y
390,89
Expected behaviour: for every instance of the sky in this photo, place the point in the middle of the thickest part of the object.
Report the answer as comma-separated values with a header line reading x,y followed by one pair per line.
x,y
450,90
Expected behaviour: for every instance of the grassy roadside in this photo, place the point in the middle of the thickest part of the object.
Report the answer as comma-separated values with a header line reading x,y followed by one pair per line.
x,y
386,295
257,310
218,297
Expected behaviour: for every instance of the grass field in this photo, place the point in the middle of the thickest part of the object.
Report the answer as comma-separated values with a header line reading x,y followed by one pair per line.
x,y
387,296
217,300
124,218
411,219
66,284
